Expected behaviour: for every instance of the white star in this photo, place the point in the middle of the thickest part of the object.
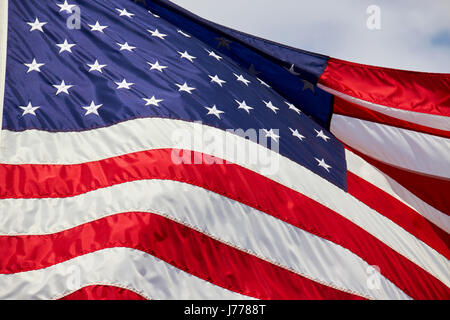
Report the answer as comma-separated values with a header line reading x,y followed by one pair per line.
x,y
36,25
307,85
183,33
124,84
124,12
292,107
214,111
217,80
97,27
152,101
291,70
271,106
184,87
155,15
321,163
29,109
271,134
322,135
157,66
65,46
242,79
253,71
125,46
96,66
295,133
214,55
65,7
92,108
223,43
186,55
263,83
243,105
156,33
63,87
34,66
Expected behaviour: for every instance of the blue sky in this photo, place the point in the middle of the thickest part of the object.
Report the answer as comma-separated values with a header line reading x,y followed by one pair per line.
x,y
414,35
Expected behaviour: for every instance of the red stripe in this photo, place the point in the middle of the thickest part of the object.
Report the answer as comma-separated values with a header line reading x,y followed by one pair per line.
x,y
100,292
232,181
399,213
407,90
353,110
182,247
432,190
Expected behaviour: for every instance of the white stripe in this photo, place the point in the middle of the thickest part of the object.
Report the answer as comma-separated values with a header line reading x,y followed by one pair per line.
x,y
224,219
108,284
424,119
364,170
410,150
3,49
34,146
124,267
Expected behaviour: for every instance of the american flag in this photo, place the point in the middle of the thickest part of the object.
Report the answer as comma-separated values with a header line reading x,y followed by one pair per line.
x,y
148,153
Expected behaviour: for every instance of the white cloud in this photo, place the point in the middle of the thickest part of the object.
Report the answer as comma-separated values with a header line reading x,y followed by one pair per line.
x,y
338,28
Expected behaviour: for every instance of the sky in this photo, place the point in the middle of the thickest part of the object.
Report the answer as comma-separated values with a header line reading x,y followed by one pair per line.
x,y
413,34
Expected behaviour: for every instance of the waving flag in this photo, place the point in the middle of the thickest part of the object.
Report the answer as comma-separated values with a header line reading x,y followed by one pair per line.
x,y
148,153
